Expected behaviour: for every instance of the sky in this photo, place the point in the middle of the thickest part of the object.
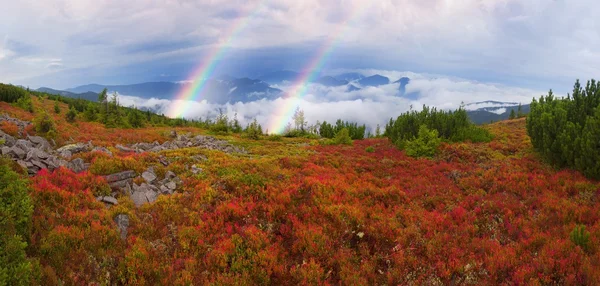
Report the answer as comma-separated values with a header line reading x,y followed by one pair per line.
x,y
454,50
537,44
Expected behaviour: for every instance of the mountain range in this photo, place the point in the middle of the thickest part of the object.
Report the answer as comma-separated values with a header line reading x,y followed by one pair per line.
x,y
227,89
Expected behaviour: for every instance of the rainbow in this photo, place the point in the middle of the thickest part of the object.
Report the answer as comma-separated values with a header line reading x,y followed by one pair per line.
x,y
198,78
298,89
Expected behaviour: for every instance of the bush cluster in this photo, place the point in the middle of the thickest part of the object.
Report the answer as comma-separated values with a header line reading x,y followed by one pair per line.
x,y
566,131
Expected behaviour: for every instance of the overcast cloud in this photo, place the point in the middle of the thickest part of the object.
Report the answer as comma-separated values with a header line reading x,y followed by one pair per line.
x,y
370,105
538,44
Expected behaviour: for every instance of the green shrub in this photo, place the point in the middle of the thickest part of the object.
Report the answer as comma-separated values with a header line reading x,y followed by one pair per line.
x,y
25,103
56,107
472,133
71,114
275,137
16,210
581,237
425,144
370,149
253,131
566,131
342,137
43,123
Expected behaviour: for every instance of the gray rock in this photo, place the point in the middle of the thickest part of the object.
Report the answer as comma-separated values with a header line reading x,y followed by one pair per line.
x,y
5,150
40,142
124,149
65,154
129,174
39,164
36,154
77,165
196,170
151,196
171,185
108,199
139,198
165,191
122,221
8,140
74,148
170,175
173,134
149,176
17,152
103,150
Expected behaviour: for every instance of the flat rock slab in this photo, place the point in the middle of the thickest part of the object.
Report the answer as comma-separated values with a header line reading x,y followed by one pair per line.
x,y
108,200
149,177
130,174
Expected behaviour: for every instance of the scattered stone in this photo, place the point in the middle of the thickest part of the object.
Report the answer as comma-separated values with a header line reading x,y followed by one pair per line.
x,y
74,148
123,148
103,150
122,221
149,176
170,175
139,198
17,152
77,165
108,200
196,170
120,180
171,185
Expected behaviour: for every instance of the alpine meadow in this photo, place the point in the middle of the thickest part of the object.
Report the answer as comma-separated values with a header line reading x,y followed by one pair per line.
x,y
344,142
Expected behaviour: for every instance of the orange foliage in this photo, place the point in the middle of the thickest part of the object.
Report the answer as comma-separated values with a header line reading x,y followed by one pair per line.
x,y
9,128
484,213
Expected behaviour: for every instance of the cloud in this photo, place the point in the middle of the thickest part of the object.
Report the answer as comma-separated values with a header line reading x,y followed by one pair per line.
x,y
536,43
370,106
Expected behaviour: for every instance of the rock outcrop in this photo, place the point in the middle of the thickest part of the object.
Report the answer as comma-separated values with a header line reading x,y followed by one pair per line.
x,y
146,192
183,141
21,124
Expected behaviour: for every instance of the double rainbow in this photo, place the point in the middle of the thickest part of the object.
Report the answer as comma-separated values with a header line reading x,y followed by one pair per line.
x,y
202,73
298,89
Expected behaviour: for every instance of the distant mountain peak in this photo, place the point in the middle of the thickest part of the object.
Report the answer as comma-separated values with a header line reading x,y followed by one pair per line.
x,y
374,80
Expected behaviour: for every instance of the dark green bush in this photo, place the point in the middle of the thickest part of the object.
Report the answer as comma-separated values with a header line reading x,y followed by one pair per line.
x,y
342,137
581,237
71,114
370,149
43,122
16,209
566,131
425,144
450,125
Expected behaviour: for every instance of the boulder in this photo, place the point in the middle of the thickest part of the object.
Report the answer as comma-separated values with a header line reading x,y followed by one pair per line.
x,y
170,175
74,148
77,165
173,134
196,170
40,142
171,185
122,221
149,176
108,200
17,152
151,196
8,140
139,198
129,174
103,150
123,148
38,164
165,191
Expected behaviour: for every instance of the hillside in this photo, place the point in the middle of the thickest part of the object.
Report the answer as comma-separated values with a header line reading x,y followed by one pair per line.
x,y
224,209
